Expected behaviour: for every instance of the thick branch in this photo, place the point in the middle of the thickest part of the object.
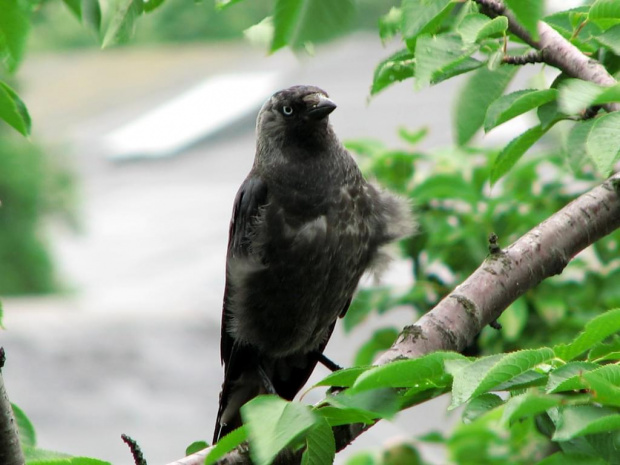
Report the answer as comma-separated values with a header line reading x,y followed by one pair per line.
x,y
555,49
503,277
10,449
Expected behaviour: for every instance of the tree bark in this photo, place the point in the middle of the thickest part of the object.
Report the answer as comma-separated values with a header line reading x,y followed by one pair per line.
x,y
10,448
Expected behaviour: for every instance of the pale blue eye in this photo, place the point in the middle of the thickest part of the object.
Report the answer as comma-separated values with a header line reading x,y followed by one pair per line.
x,y
287,111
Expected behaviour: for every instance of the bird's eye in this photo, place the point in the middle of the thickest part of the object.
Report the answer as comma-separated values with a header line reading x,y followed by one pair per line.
x,y
287,111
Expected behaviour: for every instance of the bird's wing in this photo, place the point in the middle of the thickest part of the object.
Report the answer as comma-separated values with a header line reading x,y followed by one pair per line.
x,y
252,195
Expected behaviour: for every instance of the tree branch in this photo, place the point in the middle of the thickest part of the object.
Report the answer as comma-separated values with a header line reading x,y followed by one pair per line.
x,y
555,49
504,276
10,449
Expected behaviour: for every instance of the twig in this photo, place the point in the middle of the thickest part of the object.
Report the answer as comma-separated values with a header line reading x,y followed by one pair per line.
x,y
136,452
10,448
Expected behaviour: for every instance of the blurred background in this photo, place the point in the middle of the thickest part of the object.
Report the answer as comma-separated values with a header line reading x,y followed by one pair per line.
x,y
115,213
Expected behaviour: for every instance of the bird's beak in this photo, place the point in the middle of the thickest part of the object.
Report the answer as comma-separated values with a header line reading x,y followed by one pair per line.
x,y
322,108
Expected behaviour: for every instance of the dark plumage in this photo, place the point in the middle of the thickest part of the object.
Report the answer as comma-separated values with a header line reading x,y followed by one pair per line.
x,y
305,227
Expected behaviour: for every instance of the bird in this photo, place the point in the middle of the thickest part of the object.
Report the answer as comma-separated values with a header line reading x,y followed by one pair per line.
x,y
306,226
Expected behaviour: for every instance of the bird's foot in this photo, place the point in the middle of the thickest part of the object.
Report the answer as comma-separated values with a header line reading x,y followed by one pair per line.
x,y
268,385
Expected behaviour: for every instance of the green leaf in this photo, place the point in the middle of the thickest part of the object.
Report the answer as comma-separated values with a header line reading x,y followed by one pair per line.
x,y
69,461
576,95
428,370
423,16
511,154
389,24
226,444
611,39
1,316
365,302
605,13
91,13
195,446
376,403
320,444
605,385
579,420
343,416
150,5
594,332
381,340
486,373
476,27
272,424
528,405
568,377
527,13
342,378
483,87
446,186
122,24
397,67
412,137
75,6
27,434
512,105
13,110
439,55
602,351
481,405
575,143
603,143
299,22
401,454
14,27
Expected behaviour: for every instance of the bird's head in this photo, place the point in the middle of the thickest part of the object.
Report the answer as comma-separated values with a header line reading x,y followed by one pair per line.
x,y
299,113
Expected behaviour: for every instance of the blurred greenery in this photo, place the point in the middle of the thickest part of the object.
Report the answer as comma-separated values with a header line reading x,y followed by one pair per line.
x,y
33,187
175,21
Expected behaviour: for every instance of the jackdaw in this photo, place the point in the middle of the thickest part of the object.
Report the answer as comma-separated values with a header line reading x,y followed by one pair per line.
x,y
305,227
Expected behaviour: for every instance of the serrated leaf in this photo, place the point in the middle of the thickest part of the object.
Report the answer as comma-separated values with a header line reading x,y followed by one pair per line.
x,y
342,378
603,143
528,405
599,352
513,152
122,24
320,444
512,105
486,373
438,55
595,331
34,455
14,28
604,384
575,143
567,377
27,434
580,420
480,405
527,13
226,444
68,461
476,27
272,424
514,319
396,68
605,13
525,380
483,87
423,16
299,22
428,370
